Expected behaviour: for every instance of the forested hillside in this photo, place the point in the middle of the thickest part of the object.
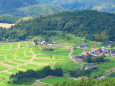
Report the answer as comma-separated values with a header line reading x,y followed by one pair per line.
x,y
36,10
13,4
8,19
100,5
17,7
88,82
93,25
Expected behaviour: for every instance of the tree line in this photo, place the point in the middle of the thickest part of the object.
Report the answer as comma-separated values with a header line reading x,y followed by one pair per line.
x,y
87,82
29,76
91,59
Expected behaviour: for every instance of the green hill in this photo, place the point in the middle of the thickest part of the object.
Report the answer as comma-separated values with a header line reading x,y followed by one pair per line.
x,y
42,9
8,19
100,5
92,25
16,7
12,4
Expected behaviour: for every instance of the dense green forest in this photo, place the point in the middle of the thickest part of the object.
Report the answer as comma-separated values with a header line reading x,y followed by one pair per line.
x,y
35,10
27,8
30,75
100,5
87,82
8,19
93,25
16,7
13,4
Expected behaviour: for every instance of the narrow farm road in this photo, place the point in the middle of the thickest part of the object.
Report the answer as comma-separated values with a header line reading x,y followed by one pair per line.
x,y
70,55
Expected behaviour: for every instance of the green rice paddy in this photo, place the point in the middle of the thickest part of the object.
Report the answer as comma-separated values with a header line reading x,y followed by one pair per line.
x,y
21,56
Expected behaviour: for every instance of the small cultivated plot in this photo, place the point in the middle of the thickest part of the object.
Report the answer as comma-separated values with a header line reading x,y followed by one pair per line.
x,y
5,74
9,57
7,46
29,44
26,58
28,53
2,58
36,51
9,63
62,52
60,60
61,56
2,68
1,46
46,52
45,55
41,60
29,67
17,61
20,52
23,44
54,80
77,51
14,45
2,78
67,65
36,48
14,70
5,52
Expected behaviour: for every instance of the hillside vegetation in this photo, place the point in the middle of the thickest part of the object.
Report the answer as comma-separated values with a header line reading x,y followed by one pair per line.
x,y
88,82
8,19
35,10
100,5
13,4
17,7
90,24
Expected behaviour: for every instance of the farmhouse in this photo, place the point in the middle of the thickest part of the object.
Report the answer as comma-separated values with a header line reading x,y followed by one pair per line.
x,y
85,54
93,54
78,57
104,50
53,43
112,52
96,53
93,47
89,67
43,43
37,41
83,46
101,77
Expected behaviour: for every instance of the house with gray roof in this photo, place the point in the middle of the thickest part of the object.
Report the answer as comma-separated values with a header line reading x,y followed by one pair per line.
x,y
112,52
83,45
90,67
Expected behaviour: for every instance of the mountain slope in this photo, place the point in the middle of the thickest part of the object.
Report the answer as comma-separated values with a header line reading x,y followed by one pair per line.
x,y
100,5
12,4
90,24
42,9
15,7
8,19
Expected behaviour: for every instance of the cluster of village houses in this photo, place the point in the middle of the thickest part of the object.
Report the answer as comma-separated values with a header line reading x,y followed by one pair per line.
x,y
43,43
94,53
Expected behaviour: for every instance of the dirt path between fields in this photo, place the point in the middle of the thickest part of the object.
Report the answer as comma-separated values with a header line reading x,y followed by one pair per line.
x,y
28,62
70,55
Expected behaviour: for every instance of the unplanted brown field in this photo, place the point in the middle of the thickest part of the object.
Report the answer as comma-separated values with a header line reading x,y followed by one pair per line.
x,y
5,25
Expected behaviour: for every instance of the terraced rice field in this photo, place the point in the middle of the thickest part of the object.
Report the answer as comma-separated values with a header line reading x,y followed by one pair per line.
x,y
22,56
